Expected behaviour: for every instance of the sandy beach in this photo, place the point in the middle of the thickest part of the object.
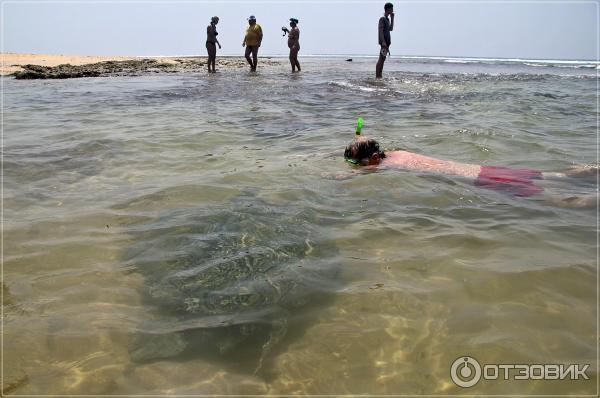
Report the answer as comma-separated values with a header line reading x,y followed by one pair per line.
x,y
40,66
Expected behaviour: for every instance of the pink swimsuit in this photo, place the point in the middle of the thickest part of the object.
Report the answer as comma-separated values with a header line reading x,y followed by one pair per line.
x,y
518,182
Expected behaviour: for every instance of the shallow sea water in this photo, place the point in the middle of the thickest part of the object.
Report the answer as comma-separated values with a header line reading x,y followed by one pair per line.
x,y
186,234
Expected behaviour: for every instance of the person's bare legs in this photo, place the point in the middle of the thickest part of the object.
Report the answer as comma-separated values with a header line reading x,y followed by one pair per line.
x,y
292,62
294,59
379,67
254,57
583,171
575,202
212,54
214,59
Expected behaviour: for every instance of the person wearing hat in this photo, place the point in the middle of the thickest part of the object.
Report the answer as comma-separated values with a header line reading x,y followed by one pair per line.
x,y
294,44
252,42
211,43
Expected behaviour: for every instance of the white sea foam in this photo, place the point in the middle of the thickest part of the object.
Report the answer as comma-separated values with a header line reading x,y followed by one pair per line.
x,y
356,86
577,64
501,60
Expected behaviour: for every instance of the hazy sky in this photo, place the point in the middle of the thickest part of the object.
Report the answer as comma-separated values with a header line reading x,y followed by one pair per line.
x,y
507,29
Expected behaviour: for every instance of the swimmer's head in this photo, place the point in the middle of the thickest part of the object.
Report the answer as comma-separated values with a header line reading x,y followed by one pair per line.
x,y
214,20
363,152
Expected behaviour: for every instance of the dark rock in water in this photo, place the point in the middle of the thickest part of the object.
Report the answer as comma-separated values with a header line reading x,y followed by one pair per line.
x,y
349,60
107,68
230,281
59,72
548,95
121,68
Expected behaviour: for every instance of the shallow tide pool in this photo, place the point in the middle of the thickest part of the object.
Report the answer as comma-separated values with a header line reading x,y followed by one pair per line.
x,y
186,234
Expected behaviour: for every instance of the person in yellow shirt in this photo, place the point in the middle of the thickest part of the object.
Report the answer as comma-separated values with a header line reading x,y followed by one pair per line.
x,y
252,42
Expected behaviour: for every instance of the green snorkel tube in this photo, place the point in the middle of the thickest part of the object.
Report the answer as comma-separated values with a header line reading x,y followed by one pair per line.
x,y
359,125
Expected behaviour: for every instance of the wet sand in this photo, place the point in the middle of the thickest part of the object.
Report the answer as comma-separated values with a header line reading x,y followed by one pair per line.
x,y
46,66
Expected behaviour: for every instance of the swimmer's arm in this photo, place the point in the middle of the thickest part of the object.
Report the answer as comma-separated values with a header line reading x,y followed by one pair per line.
x,y
338,176
349,174
392,24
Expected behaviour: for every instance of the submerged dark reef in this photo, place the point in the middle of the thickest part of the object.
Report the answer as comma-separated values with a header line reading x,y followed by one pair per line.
x,y
230,281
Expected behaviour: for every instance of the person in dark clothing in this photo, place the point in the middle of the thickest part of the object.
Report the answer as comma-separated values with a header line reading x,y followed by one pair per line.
x,y
294,44
385,39
211,43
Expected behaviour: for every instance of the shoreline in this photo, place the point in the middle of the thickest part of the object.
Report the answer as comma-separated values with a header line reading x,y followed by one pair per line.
x,y
49,66
61,66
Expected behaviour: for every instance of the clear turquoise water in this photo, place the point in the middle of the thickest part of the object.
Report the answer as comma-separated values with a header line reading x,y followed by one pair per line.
x,y
183,234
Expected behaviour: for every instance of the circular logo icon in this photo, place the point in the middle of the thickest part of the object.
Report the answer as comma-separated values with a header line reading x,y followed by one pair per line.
x,y
465,372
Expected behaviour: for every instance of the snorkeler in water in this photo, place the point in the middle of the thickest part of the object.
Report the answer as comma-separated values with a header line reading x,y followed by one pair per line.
x,y
365,152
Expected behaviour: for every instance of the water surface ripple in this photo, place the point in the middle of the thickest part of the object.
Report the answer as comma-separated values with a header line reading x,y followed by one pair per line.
x,y
183,234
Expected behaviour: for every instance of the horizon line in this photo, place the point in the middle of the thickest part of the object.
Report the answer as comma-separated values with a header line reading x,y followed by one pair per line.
x,y
440,57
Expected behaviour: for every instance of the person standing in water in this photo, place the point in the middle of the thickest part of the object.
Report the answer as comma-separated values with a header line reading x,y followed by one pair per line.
x,y
294,44
385,39
252,42
211,43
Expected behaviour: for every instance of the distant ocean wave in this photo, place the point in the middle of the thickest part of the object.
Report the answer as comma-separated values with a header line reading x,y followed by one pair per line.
x,y
545,63
588,64
529,62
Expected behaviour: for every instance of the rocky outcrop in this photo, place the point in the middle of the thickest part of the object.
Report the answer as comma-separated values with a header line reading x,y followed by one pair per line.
x,y
107,68
128,68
